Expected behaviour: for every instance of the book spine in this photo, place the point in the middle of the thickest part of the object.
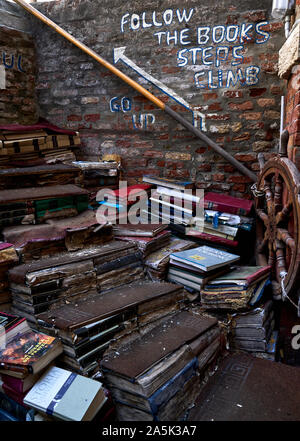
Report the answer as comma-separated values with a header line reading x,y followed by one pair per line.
x,y
231,209
258,274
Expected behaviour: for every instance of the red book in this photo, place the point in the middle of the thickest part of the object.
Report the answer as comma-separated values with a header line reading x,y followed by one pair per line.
x,y
227,204
131,190
20,385
214,239
16,396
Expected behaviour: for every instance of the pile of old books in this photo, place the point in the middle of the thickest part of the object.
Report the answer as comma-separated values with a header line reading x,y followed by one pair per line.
x,y
24,354
169,364
39,286
98,175
172,202
42,143
8,258
195,267
118,205
56,236
157,263
228,223
39,175
89,327
238,289
37,204
148,238
253,331
30,381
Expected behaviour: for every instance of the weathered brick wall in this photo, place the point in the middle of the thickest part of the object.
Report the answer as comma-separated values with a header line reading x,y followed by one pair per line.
x,y
18,100
227,71
292,105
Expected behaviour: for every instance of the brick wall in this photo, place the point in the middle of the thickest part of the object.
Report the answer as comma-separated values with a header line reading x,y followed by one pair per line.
x,y
227,72
292,105
18,101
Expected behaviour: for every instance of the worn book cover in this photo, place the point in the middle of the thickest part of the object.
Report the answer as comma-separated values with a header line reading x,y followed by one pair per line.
x,y
204,257
242,275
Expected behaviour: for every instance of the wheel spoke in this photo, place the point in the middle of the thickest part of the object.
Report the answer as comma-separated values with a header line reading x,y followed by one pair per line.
x,y
278,193
285,237
280,259
263,216
283,215
269,196
272,257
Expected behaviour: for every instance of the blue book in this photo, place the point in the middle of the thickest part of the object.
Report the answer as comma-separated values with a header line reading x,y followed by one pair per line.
x,y
259,291
12,408
203,258
5,416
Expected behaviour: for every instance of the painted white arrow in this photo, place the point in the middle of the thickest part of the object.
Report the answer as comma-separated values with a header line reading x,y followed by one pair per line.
x,y
120,55
2,77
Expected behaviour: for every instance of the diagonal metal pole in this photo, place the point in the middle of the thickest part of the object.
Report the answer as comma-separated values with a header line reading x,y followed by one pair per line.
x,y
238,165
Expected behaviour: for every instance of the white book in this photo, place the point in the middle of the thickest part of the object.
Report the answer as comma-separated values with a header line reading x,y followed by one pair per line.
x,y
66,395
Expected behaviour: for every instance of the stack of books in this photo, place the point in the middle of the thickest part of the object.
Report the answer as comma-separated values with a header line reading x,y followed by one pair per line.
x,y
170,363
157,263
89,327
195,267
241,288
253,331
148,238
24,354
42,143
123,198
98,175
39,286
8,258
39,176
37,204
228,222
169,203
56,236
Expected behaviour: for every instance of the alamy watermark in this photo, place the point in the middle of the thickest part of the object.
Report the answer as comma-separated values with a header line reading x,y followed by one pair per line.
x,y
163,206
296,339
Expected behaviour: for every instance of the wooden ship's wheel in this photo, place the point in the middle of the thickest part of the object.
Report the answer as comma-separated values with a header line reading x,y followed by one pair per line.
x,y
278,221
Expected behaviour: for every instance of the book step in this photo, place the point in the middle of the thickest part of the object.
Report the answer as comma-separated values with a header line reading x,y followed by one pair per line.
x,y
159,374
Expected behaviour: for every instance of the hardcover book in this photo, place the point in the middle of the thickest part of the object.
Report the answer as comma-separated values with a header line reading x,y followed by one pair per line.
x,y
66,395
29,353
241,276
204,258
229,204
149,230
10,326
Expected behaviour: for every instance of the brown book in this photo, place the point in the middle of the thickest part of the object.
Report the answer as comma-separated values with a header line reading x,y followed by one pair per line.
x,y
21,274
160,354
36,193
119,300
139,229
